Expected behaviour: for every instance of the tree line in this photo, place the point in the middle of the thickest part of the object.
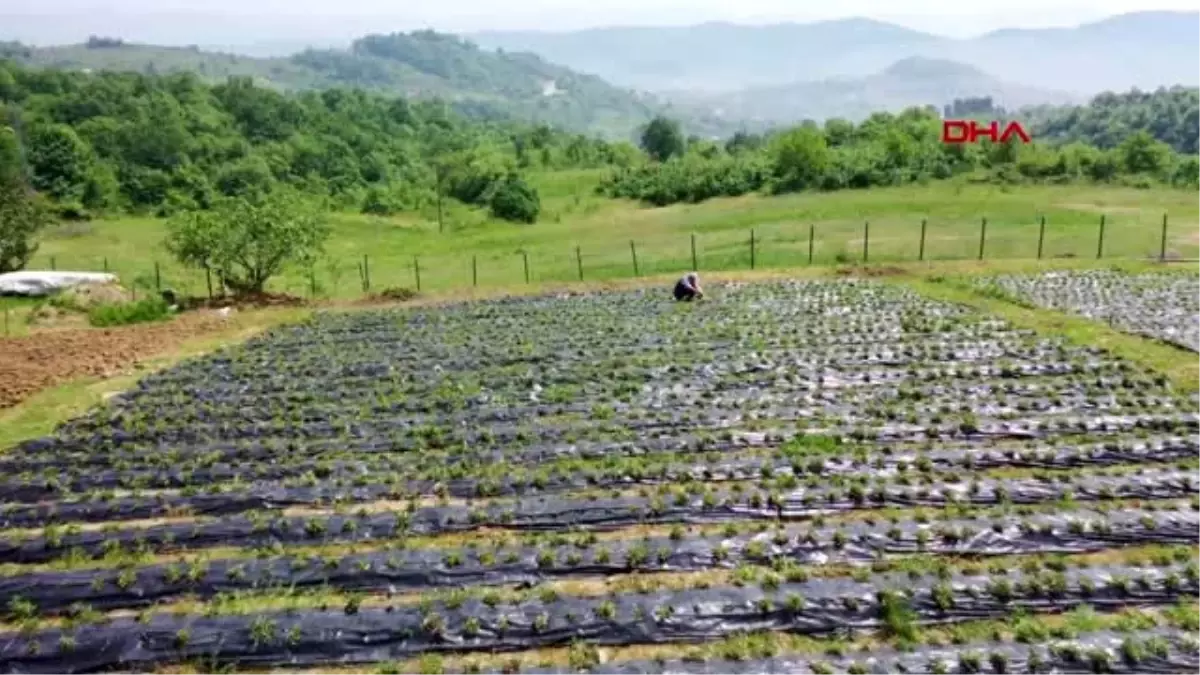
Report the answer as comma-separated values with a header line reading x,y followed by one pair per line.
x,y
885,149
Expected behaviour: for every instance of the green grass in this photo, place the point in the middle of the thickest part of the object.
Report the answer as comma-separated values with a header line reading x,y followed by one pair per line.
x,y
602,230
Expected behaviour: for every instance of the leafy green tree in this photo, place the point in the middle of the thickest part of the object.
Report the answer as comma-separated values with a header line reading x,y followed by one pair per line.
x,y
663,139
59,161
515,200
22,212
1140,153
248,240
799,158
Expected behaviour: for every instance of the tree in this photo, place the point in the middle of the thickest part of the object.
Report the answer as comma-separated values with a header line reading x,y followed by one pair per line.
x,y
662,139
799,158
59,161
516,200
22,212
248,240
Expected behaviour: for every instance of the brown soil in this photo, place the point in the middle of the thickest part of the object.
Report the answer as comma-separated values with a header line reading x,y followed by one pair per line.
x,y
257,300
31,363
870,271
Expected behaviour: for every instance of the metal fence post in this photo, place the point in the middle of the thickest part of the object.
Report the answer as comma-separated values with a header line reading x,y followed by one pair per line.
x,y
525,258
579,261
106,264
1100,240
53,263
157,277
633,254
366,274
1041,236
475,270
866,240
208,281
751,249
921,250
982,236
695,264
417,271
811,232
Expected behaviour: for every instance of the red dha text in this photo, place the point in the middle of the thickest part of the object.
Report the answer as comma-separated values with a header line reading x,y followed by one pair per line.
x,y
969,131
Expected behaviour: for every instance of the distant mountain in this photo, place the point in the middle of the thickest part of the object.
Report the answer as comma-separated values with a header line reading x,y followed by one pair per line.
x,y
1144,49
910,82
721,56
422,64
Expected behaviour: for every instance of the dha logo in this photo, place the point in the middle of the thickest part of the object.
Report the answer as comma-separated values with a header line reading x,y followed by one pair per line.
x,y
969,131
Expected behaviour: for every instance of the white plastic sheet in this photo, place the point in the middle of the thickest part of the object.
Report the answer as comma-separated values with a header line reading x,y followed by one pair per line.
x,y
39,284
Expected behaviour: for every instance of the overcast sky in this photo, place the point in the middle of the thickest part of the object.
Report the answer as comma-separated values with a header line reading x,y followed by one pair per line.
x,y
169,20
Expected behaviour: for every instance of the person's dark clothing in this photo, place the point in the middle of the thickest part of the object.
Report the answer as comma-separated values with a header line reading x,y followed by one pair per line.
x,y
684,291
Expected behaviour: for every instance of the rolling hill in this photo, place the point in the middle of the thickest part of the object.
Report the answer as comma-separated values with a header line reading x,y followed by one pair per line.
x,y
422,64
1144,49
910,82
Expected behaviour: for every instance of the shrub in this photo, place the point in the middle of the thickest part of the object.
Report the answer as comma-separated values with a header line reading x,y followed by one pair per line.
x,y
126,313
515,200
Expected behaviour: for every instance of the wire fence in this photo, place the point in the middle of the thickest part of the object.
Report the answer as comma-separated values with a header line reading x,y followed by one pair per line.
x,y
769,246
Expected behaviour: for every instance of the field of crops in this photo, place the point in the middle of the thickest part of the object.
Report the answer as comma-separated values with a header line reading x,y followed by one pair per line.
x,y
1163,306
818,476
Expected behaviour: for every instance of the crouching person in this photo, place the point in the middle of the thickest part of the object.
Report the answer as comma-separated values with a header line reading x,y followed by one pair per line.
x,y
688,288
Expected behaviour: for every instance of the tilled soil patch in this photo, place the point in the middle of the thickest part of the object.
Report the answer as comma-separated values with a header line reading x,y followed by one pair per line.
x,y
31,363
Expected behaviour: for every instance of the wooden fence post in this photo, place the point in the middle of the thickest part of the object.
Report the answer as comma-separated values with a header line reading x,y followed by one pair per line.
x,y
157,277
866,240
695,264
579,261
475,271
1041,236
811,232
982,236
1162,245
53,263
751,249
366,274
1100,240
525,258
921,250
208,281
417,271
633,254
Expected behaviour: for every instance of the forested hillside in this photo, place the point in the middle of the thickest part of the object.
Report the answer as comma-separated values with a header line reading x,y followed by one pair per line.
x,y
1169,115
157,144
421,64
128,141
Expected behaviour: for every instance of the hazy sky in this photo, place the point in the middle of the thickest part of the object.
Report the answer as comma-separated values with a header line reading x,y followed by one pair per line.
x,y
174,20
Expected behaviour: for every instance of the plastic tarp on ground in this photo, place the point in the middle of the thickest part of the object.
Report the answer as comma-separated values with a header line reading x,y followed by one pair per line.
x,y
39,284
423,569
819,607
1099,652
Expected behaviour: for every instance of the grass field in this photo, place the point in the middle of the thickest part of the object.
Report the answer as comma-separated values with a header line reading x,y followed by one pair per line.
x,y
575,220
